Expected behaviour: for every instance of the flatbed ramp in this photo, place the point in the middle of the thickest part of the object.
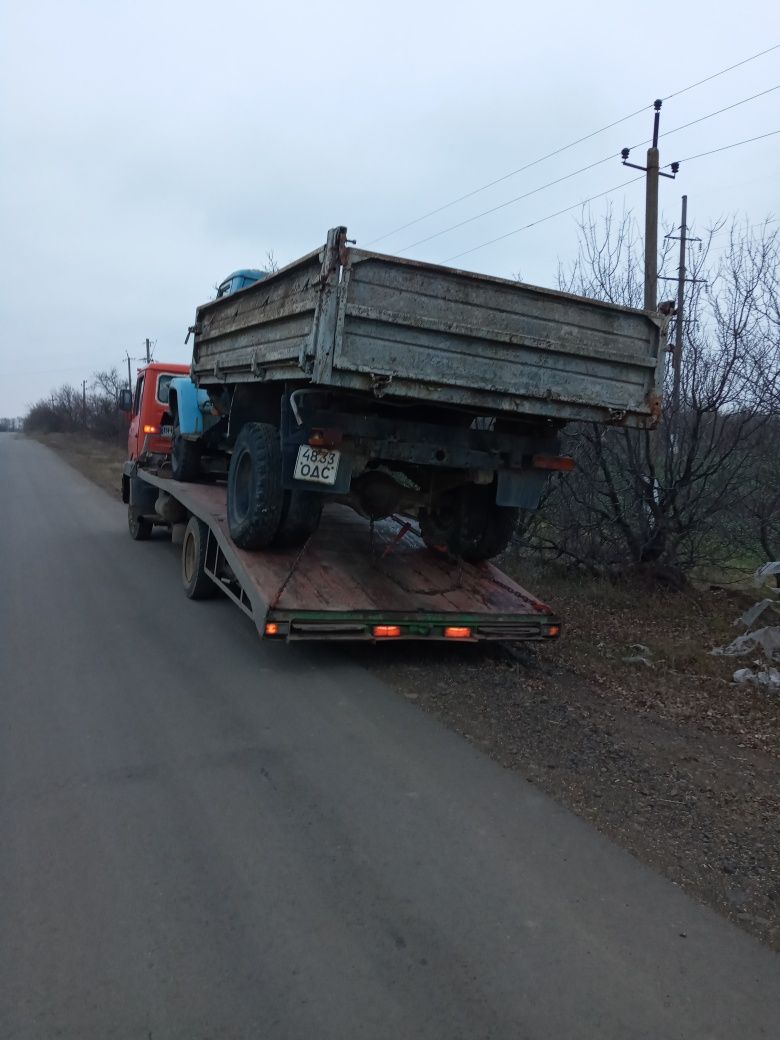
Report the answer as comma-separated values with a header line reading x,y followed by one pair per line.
x,y
358,581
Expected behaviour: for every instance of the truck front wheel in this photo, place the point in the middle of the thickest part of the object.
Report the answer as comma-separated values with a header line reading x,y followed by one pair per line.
x,y
260,512
185,456
140,528
255,496
468,523
197,583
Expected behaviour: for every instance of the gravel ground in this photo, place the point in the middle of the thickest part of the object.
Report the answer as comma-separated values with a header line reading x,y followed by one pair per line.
x,y
667,758
628,720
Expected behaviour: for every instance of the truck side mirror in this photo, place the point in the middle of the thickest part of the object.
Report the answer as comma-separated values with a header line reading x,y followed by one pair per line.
x,y
126,400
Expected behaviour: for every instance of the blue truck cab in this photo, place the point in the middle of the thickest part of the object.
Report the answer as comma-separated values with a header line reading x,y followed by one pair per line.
x,y
240,280
191,409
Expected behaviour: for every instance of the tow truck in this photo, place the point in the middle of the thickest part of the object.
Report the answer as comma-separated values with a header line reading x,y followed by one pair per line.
x,y
351,580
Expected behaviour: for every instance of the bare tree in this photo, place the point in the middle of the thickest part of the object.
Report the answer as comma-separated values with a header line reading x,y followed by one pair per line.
x,y
64,412
687,494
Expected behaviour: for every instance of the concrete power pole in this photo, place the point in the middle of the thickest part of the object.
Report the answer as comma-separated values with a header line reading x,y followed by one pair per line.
x,y
84,401
129,376
681,279
678,332
653,170
148,356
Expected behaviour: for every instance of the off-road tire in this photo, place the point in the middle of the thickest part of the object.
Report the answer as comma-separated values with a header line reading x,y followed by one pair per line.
x,y
467,523
197,584
185,456
140,528
255,497
301,514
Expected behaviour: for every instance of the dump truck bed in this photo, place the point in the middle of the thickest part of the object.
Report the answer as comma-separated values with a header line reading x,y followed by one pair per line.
x,y
353,319
351,578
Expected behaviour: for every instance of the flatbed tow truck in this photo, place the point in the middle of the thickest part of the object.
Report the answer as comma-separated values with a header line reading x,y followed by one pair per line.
x,y
351,580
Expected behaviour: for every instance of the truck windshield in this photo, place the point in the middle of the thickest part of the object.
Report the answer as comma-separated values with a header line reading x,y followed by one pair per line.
x,y
164,388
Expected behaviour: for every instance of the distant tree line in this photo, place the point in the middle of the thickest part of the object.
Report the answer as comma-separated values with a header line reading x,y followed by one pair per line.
x,y
72,410
9,425
701,494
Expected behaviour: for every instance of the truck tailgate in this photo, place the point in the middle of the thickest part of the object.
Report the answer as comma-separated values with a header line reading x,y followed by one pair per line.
x,y
435,332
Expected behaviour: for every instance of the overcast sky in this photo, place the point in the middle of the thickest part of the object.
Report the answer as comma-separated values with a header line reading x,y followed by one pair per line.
x,y
148,149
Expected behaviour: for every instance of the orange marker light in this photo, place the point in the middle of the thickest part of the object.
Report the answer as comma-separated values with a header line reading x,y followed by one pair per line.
x,y
564,463
553,631
150,429
386,631
271,628
457,632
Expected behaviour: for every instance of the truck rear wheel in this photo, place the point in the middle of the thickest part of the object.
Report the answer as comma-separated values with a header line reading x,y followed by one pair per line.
x,y
197,583
140,528
468,523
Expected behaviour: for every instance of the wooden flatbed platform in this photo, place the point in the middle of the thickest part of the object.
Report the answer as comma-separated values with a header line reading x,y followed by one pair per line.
x,y
354,580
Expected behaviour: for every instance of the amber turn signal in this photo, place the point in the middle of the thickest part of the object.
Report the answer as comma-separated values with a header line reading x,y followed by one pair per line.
x,y
271,628
386,631
457,632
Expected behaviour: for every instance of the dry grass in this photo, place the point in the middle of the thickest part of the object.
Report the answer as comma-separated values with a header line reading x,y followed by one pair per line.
x,y
651,649
100,461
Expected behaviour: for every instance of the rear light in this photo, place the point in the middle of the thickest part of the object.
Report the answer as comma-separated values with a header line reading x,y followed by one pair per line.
x,y
150,429
553,631
271,628
317,439
558,462
386,631
457,632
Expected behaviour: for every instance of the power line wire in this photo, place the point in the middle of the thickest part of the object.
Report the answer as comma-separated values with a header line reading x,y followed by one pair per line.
x,y
722,72
600,195
726,147
509,202
719,111
574,173
542,220
566,147
506,176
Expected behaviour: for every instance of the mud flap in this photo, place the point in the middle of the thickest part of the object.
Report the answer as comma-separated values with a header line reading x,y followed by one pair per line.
x,y
520,487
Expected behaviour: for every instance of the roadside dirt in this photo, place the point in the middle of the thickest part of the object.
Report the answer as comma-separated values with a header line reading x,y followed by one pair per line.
x,y
100,461
627,719
664,755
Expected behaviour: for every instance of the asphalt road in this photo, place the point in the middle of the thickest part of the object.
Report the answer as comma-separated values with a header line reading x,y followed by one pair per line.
x,y
208,837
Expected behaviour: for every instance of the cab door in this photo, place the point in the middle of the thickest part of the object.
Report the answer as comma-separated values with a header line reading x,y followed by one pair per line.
x,y
133,434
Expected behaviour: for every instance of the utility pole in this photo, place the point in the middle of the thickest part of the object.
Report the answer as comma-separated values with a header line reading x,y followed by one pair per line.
x,y
148,356
678,332
129,376
84,401
653,171
679,320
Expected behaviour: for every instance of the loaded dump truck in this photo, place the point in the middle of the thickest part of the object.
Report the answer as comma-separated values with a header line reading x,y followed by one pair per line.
x,y
399,387
424,399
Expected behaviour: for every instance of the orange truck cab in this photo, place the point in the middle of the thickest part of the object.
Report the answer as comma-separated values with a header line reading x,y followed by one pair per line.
x,y
150,431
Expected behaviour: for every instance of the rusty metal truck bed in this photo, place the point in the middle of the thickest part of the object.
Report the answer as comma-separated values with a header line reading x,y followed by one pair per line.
x,y
358,320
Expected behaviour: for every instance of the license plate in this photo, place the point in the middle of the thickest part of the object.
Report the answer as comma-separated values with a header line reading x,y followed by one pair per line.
x,y
319,465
